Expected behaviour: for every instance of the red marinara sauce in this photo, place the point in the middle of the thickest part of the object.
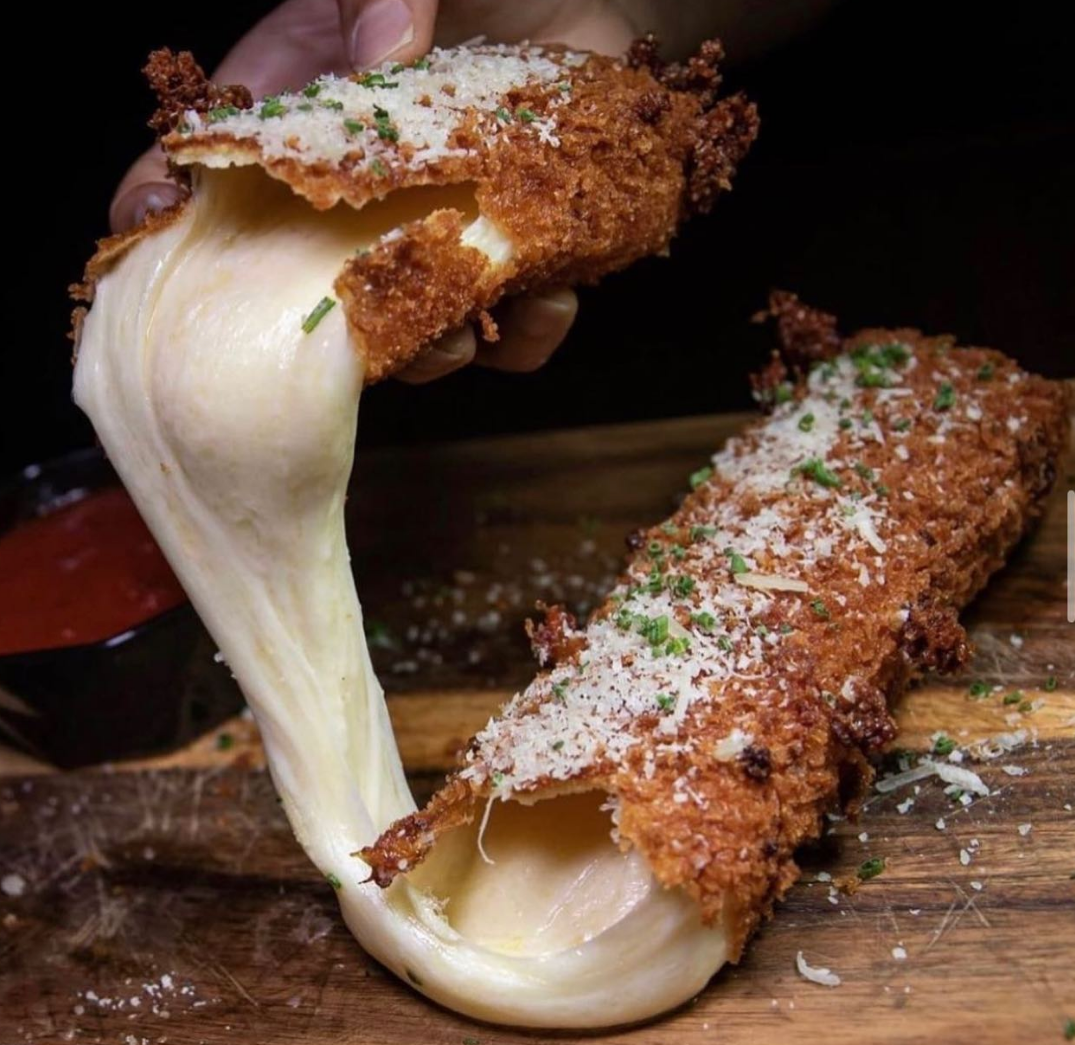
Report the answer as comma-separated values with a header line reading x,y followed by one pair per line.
x,y
84,572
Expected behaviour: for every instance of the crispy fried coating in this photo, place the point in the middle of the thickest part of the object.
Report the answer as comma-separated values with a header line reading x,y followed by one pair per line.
x,y
728,693
580,163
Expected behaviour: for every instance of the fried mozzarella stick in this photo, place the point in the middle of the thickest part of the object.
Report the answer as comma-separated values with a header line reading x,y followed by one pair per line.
x,y
726,695
473,173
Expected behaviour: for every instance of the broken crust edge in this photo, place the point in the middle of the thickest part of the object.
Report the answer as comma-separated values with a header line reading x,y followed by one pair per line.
x,y
632,151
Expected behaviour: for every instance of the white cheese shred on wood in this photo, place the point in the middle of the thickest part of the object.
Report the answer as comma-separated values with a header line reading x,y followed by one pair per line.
x,y
400,115
823,976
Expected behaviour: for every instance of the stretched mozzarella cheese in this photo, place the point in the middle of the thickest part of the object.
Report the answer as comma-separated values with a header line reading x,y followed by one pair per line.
x,y
233,427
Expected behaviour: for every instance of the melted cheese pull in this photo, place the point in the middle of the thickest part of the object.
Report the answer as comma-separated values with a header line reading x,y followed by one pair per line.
x,y
233,427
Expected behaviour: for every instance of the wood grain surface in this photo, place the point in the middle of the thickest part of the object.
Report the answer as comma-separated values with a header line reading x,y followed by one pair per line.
x,y
165,900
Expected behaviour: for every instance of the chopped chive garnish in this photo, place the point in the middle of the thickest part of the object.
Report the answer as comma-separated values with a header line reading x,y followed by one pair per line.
x,y
222,113
420,63
378,168
946,397
375,80
902,424
333,881
1026,706
944,745
806,423
503,115
354,126
271,107
305,107
565,86
978,690
1050,684
321,309
845,422
559,690
701,476
725,643
815,469
498,778
385,130
397,68
867,417
331,103
736,562
1014,697
704,619
1069,1028
986,371
683,586
871,868
782,393
864,470
677,646
880,489
225,741
786,629
312,90
820,609
556,745
665,702
654,629
699,533
525,115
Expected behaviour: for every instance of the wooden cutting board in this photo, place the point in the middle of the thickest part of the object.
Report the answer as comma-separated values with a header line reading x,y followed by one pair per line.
x,y
165,900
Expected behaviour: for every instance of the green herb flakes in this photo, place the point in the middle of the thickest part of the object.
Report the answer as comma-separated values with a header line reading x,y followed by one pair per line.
x,y
682,586
312,90
736,562
272,108
986,372
378,168
806,423
333,880
525,115
700,533
978,690
353,126
704,620
665,701
224,742
1014,697
944,745
321,309
1050,684
814,468
946,397
820,609
222,113
871,868
701,476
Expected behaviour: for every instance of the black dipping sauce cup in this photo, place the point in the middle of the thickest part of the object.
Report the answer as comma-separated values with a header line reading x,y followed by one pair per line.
x,y
153,687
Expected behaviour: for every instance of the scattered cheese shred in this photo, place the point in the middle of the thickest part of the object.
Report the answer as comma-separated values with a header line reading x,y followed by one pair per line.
x,y
826,977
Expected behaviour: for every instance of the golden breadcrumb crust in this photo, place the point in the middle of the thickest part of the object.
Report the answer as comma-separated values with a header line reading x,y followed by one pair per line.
x,y
732,847
639,149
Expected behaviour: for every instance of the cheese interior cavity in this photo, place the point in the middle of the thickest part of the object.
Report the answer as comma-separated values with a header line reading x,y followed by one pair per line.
x,y
234,431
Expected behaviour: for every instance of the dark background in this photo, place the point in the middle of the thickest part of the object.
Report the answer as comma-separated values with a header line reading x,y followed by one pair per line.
x,y
916,166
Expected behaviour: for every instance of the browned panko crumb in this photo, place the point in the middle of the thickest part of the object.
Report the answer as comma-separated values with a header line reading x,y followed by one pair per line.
x,y
777,615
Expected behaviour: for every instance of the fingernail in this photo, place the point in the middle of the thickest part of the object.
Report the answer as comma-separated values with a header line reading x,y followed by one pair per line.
x,y
543,314
153,198
380,30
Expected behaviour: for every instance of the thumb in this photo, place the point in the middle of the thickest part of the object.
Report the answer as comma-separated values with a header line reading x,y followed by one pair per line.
x,y
375,31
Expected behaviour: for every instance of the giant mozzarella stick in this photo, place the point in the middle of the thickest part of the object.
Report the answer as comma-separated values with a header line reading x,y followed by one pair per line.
x,y
727,694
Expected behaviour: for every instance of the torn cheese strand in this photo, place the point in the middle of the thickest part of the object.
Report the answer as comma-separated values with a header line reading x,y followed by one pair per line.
x,y
226,396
